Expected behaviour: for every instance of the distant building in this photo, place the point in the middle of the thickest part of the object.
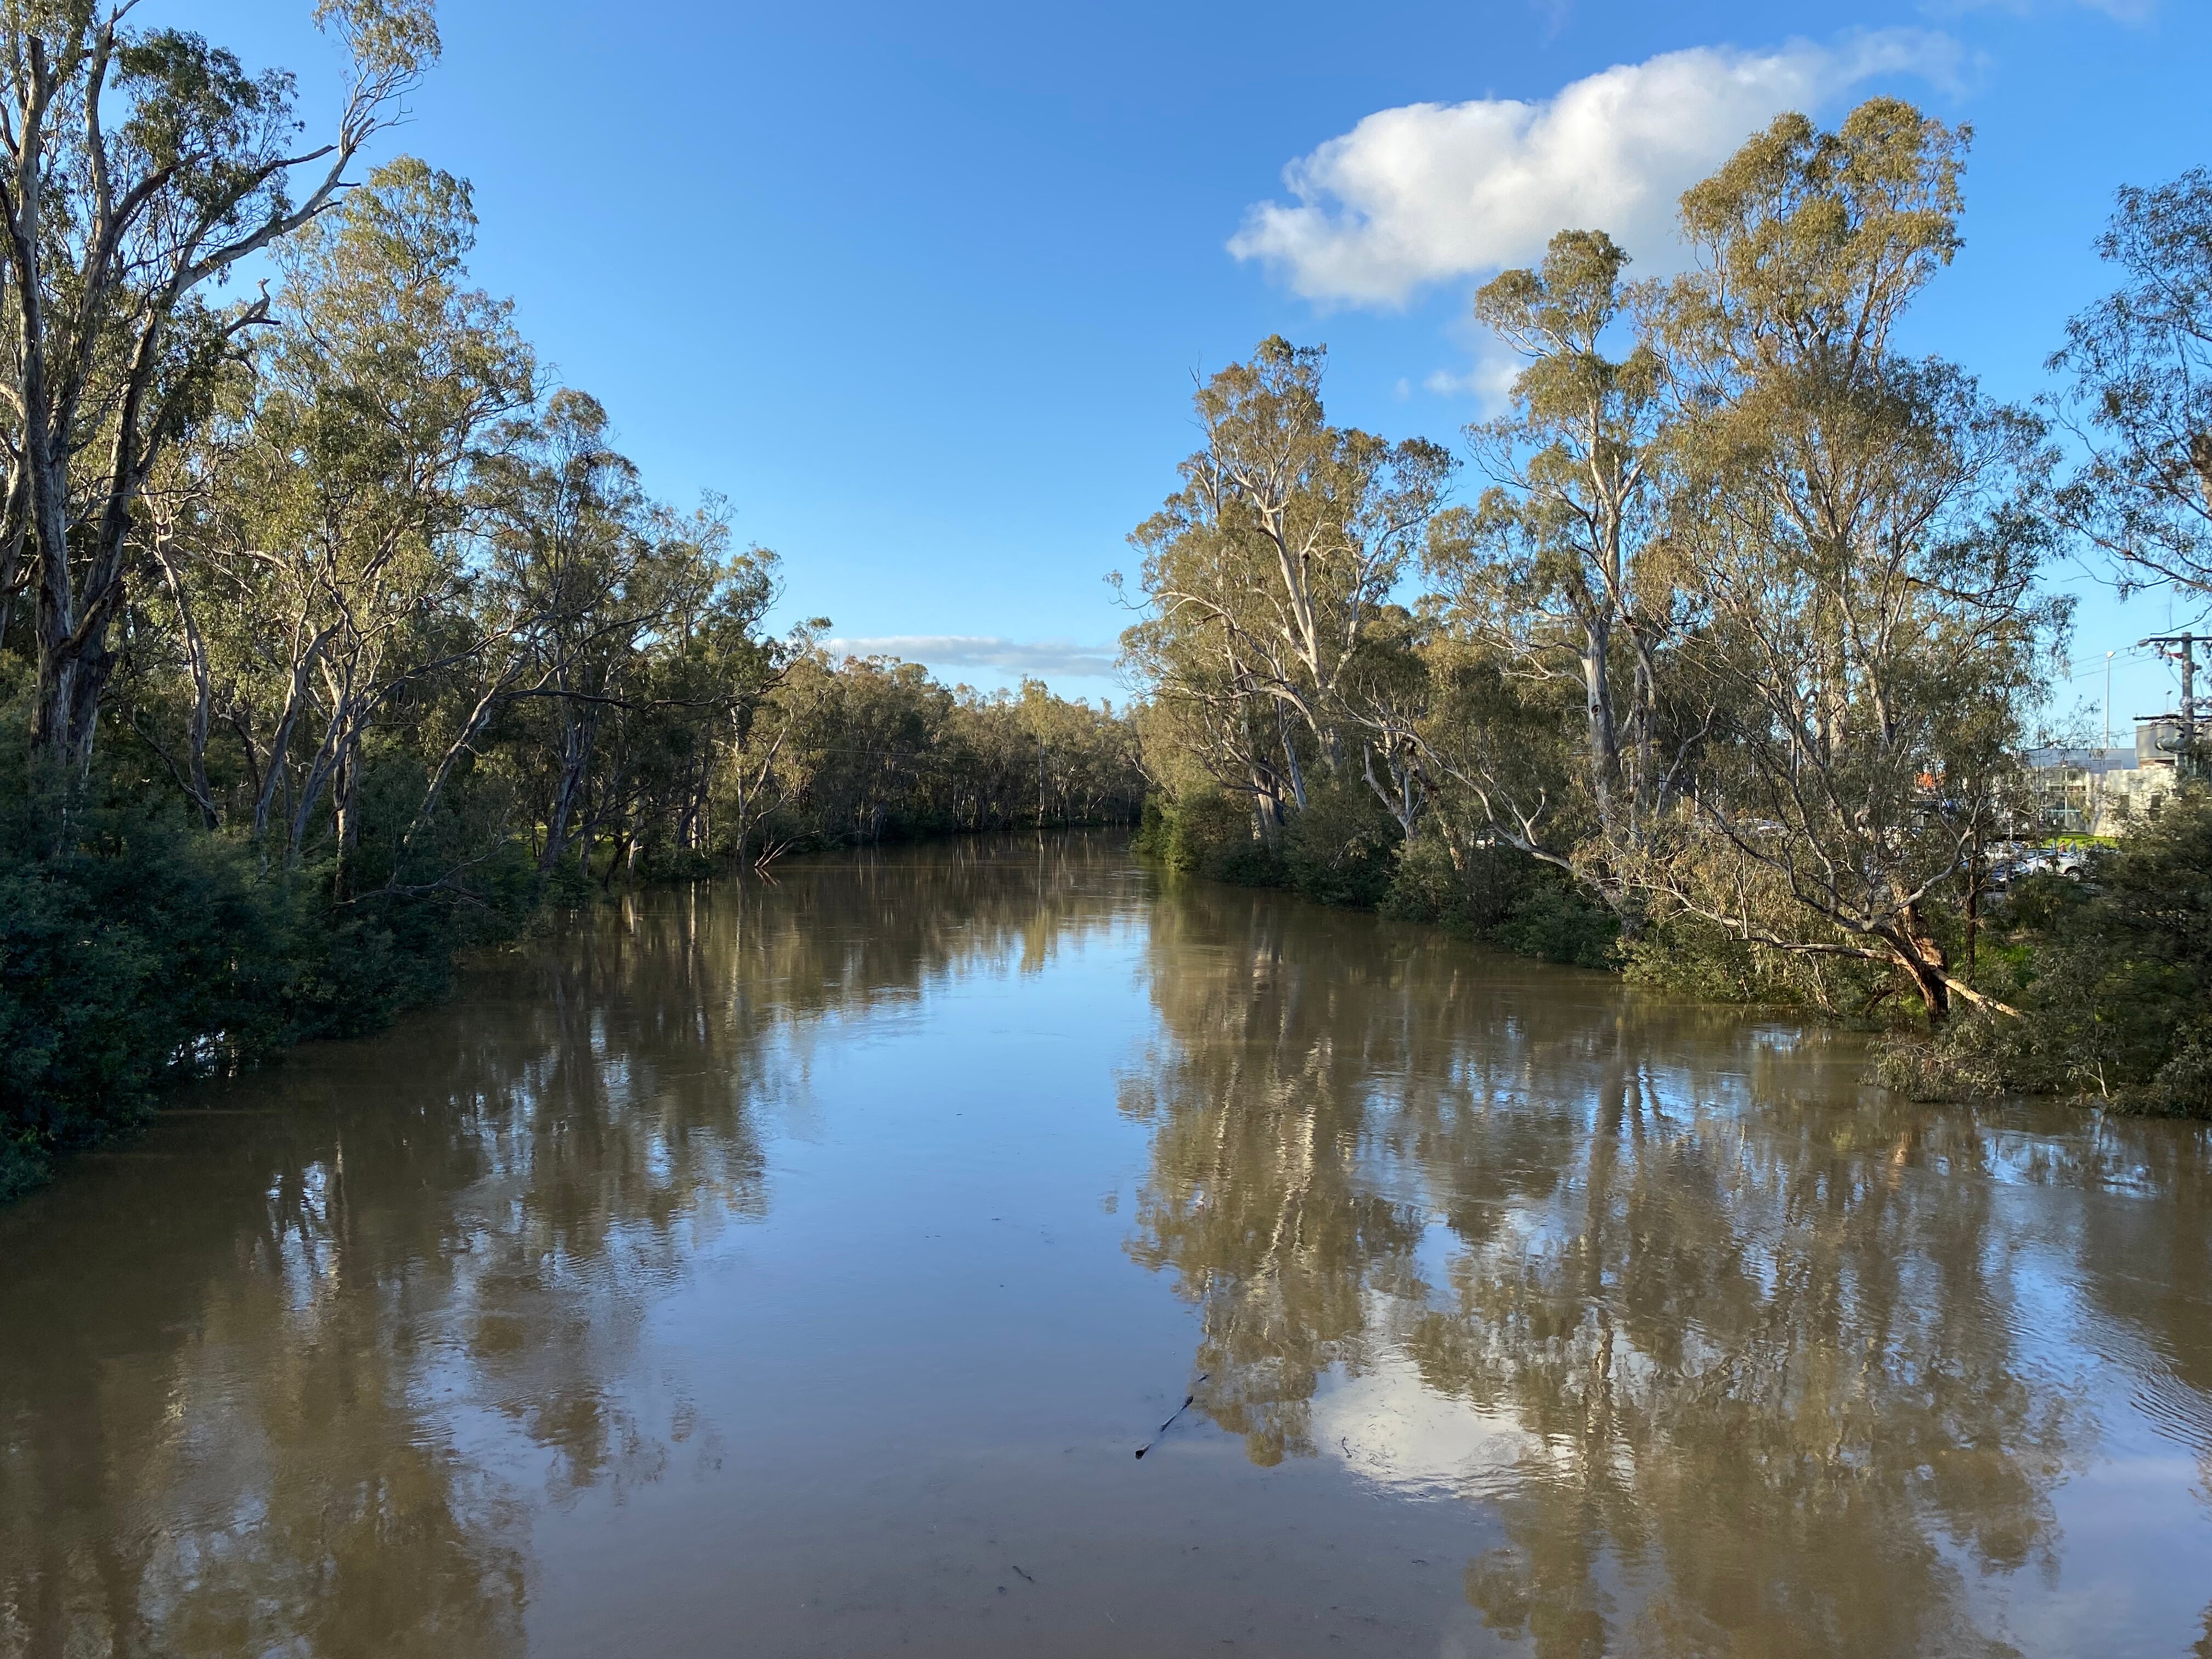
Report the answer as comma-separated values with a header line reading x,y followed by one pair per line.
x,y
2098,792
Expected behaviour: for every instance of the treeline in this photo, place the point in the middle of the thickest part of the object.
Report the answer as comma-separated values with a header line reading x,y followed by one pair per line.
x,y
1722,672
333,635
872,749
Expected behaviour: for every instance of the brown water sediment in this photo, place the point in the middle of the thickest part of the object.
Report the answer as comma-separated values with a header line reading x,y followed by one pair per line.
x,y
795,1270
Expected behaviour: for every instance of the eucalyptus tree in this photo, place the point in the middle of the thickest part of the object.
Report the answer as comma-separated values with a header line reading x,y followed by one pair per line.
x,y
2140,399
695,679
600,569
1206,709
1265,573
1560,574
322,566
1859,550
137,169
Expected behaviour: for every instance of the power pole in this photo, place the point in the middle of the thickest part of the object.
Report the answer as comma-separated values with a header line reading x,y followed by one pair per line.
x,y
2104,761
2182,648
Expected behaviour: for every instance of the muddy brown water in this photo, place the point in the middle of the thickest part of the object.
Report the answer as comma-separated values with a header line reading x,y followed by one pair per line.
x,y
795,1270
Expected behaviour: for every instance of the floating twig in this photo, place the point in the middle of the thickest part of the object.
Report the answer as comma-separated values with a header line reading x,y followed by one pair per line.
x,y
1174,1414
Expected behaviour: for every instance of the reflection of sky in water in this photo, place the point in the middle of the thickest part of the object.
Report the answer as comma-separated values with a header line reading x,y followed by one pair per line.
x,y
1386,1426
800,1265
2128,1490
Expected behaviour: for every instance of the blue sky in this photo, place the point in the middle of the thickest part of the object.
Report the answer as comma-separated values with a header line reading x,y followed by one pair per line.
x,y
921,289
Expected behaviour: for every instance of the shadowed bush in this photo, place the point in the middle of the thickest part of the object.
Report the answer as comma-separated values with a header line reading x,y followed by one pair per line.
x,y
2113,974
1344,849
1503,897
138,950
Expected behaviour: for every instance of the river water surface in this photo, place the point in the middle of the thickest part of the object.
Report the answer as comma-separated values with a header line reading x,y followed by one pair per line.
x,y
795,1271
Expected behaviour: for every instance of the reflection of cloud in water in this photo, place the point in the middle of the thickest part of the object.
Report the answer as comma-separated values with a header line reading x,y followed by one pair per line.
x,y
1740,1355
1386,1426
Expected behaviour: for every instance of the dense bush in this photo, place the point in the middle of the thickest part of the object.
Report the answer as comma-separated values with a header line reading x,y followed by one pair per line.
x,y
1555,921
131,946
1503,897
137,949
1207,831
1344,849
2112,973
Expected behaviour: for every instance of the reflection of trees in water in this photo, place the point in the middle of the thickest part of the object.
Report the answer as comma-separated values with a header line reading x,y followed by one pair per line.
x,y
254,1397
1775,1378
1761,1350
2141,1265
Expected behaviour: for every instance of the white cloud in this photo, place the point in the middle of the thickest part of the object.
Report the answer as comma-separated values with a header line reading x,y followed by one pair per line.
x,y
2123,11
1432,192
982,650
1488,379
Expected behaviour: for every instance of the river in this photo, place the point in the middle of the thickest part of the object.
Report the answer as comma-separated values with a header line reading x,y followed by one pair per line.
x,y
794,1270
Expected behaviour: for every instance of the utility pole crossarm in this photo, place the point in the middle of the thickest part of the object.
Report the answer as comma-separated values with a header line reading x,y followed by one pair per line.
x,y
2182,648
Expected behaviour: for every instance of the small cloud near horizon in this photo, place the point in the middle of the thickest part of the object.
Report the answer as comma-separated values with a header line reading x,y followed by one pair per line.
x,y
1038,657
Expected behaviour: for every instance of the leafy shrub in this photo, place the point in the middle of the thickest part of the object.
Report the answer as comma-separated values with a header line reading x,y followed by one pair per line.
x,y
136,950
1150,838
1504,898
133,948
1554,921
1339,850
1208,832
1425,884
2113,975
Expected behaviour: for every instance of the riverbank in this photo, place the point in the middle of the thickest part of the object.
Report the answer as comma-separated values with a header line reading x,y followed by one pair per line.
x,y
1341,851
2095,984
802,1259
142,953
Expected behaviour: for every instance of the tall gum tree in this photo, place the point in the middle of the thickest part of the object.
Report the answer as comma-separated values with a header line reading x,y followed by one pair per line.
x,y
315,536
1861,540
1266,572
2140,361
137,169
1558,574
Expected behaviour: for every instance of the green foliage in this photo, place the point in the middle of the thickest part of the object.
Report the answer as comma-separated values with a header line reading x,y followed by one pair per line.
x,y
1503,897
138,950
1696,958
1344,849
132,948
2113,977
2140,401
1554,921
1150,838
1340,850
1426,886
1207,831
